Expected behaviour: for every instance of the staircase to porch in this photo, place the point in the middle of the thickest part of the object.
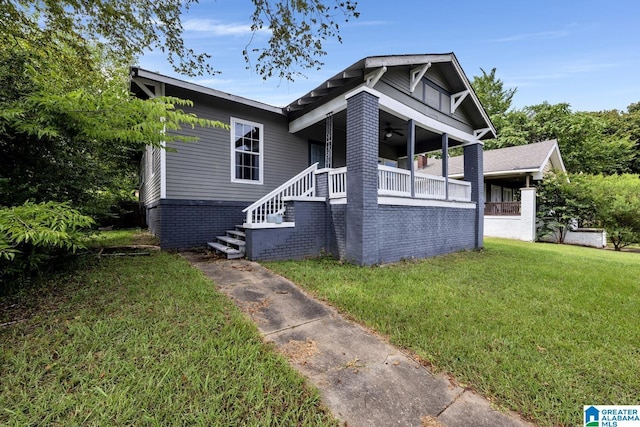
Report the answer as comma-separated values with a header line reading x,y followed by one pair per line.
x,y
232,244
264,211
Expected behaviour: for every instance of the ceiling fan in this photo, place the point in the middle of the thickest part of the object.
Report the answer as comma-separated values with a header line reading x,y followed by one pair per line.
x,y
390,131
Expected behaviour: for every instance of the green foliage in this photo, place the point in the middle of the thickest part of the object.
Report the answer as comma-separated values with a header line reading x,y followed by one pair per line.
x,y
77,138
606,142
32,234
608,201
561,202
131,28
582,137
495,99
617,202
298,30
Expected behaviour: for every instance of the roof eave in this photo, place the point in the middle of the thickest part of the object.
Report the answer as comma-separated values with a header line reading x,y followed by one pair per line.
x,y
492,134
150,75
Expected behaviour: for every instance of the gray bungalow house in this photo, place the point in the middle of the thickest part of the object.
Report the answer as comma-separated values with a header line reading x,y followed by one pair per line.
x,y
329,172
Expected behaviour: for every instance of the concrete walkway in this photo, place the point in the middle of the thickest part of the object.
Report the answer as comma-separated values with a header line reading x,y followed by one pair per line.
x,y
363,380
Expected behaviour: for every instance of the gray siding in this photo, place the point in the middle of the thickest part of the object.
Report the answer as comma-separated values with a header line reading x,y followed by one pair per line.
x,y
150,176
395,83
202,170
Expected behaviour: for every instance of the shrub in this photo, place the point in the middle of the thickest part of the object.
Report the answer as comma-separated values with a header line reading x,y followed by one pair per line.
x,y
33,234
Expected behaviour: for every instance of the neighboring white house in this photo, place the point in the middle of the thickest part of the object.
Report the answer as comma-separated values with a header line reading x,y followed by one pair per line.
x,y
510,176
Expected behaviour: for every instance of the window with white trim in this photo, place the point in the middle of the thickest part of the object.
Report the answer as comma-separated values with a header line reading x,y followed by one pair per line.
x,y
247,145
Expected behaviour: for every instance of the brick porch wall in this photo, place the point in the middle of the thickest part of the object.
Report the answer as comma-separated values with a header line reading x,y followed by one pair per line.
x,y
184,224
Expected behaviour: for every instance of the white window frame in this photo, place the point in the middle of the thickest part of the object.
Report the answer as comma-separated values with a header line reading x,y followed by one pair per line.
x,y
149,162
232,133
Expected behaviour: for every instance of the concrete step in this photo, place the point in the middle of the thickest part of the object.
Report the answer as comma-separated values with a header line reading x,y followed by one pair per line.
x,y
231,253
236,234
231,241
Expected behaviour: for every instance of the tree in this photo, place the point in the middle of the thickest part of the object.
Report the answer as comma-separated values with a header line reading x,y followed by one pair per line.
x,y
561,202
617,201
67,138
129,28
495,99
608,201
625,125
582,137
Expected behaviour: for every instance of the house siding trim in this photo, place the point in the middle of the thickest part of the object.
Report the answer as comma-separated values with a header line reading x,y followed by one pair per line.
x,y
163,171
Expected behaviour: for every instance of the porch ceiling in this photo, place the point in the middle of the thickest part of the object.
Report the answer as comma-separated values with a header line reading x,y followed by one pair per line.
x,y
426,140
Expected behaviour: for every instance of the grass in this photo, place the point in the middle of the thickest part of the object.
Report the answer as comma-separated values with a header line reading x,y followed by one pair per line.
x,y
141,341
118,238
538,328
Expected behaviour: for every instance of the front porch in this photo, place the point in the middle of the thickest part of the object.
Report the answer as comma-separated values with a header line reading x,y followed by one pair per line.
x,y
375,207
364,201
395,186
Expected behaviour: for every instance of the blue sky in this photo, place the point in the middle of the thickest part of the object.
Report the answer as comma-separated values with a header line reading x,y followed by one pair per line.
x,y
585,53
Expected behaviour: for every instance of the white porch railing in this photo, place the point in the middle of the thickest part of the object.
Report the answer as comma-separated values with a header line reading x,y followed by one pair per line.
x,y
397,182
393,181
338,183
430,186
459,190
301,185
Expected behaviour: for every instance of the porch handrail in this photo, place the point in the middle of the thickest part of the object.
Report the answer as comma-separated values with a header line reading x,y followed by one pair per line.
x,y
397,182
338,183
459,190
429,186
502,208
301,185
394,181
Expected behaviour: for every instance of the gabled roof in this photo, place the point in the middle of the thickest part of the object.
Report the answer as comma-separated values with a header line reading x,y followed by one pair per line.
x,y
366,68
150,75
534,159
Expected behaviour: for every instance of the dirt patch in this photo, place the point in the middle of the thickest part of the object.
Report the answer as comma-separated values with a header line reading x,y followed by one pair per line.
x,y
242,267
253,308
429,421
300,351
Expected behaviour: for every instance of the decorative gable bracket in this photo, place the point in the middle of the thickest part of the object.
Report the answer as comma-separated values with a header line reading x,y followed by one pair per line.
x,y
372,78
456,100
417,74
479,133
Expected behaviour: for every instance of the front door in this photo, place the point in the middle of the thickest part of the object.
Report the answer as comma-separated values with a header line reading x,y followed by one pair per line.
x,y
317,154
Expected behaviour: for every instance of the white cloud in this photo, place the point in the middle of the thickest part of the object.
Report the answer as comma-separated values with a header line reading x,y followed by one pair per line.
x,y
545,35
217,28
359,23
213,82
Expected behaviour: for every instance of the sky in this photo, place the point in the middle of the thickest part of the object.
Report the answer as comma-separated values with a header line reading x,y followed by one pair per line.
x,y
585,53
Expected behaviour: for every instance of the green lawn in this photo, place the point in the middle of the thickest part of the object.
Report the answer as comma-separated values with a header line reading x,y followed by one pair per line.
x,y
142,340
542,329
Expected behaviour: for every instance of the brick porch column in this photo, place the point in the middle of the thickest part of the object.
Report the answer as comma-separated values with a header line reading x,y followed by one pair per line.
x,y
473,173
362,179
